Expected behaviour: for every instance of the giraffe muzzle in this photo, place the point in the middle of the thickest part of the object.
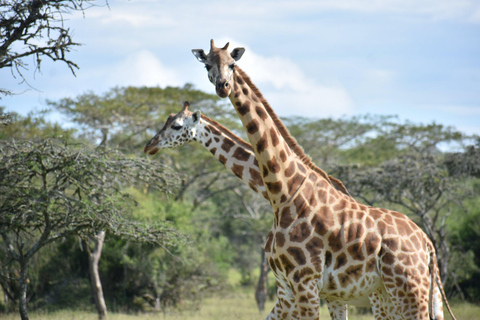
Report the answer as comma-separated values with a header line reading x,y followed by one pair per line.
x,y
151,147
222,89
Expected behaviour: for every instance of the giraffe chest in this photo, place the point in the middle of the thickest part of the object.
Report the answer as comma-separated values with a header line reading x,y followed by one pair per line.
x,y
299,256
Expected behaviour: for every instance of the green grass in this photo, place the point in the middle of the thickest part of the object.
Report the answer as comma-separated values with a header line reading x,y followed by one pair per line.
x,y
234,306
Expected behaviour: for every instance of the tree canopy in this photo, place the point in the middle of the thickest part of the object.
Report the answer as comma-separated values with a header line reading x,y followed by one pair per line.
x,y
38,29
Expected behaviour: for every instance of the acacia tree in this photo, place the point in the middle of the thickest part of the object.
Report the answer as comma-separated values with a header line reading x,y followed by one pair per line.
x,y
322,139
121,117
36,29
49,191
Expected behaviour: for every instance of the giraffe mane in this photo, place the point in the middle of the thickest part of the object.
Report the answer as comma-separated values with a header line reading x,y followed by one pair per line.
x,y
289,139
228,133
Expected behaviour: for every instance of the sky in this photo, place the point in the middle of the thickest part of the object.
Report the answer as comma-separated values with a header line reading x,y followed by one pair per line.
x,y
418,59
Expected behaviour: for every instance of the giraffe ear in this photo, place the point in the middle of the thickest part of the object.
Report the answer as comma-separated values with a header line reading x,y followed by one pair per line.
x,y
237,53
200,54
196,117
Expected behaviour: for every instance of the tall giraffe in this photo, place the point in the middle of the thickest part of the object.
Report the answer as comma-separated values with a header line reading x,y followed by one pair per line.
x,y
323,243
232,151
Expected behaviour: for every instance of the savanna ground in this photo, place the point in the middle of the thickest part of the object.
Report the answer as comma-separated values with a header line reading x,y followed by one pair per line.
x,y
236,305
240,306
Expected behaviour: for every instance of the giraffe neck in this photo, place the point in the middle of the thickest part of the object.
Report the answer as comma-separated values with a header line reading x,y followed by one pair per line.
x,y
232,151
289,139
283,171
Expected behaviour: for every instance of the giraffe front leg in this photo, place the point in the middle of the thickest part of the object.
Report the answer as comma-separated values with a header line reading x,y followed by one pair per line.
x,y
338,310
285,308
307,299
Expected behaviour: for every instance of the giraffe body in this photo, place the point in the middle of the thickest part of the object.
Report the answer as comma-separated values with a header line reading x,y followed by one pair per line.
x,y
323,243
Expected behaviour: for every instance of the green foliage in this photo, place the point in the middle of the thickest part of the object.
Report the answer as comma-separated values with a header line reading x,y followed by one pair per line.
x,y
32,127
465,238
50,190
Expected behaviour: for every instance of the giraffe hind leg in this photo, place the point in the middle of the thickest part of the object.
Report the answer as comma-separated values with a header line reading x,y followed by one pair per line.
x,y
338,310
382,306
408,290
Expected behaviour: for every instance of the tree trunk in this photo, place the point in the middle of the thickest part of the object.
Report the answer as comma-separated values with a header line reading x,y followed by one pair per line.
x,y
93,259
23,290
261,291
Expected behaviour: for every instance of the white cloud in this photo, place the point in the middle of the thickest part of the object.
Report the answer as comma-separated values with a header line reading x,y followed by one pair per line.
x,y
434,9
128,14
290,91
142,68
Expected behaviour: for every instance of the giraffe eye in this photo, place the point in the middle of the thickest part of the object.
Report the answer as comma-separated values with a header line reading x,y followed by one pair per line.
x,y
208,67
176,127
232,66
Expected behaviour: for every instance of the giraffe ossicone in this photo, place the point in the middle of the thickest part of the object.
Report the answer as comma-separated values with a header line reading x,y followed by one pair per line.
x,y
323,243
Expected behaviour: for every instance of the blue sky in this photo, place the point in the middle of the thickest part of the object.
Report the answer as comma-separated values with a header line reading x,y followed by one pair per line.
x,y
419,59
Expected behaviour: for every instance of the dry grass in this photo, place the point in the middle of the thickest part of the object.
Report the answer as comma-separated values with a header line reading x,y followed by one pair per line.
x,y
236,306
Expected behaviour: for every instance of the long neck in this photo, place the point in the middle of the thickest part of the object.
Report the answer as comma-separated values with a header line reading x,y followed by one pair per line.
x,y
232,151
283,172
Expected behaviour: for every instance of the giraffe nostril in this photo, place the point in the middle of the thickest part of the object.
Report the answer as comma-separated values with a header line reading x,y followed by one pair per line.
x,y
226,85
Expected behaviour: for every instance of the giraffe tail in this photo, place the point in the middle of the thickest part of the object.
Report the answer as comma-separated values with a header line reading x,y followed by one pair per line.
x,y
435,280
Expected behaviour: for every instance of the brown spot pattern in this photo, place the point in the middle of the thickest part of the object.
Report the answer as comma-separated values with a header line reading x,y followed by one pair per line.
x,y
274,187
354,271
268,243
286,218
328,259
227,145
256,178
300,232
244,108
355,251
294,183
241,154
274,136
273,165
221,158
286,264
279,239
297,254
341,261
262,143
290,169
261,113
335,240
300,274
252,127
237,170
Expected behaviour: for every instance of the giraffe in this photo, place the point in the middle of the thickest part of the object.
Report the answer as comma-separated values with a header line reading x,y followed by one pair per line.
x,y
232,151
323,243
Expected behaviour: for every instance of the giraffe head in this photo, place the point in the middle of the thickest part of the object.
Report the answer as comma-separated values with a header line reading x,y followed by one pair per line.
x,y
220,65
179,129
